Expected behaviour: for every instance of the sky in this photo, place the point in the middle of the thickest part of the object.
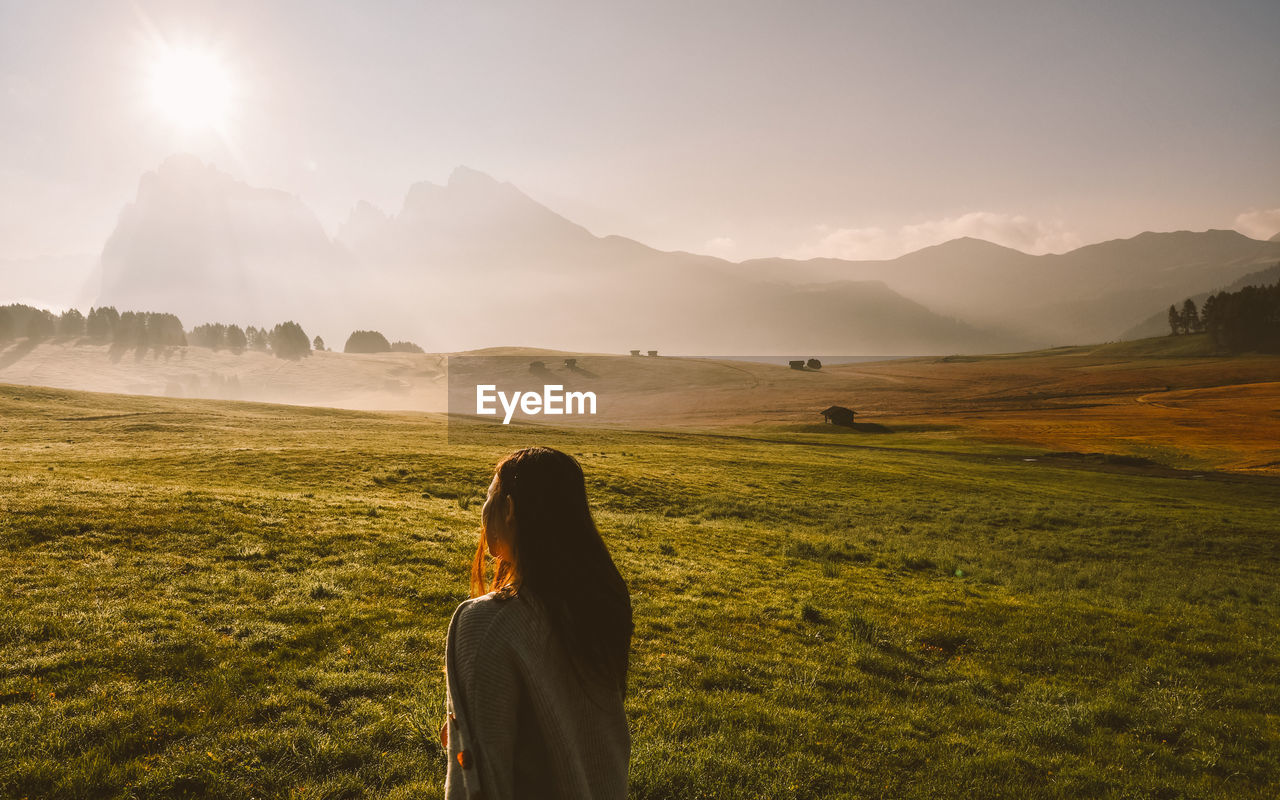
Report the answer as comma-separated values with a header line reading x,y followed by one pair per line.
x,y
740,129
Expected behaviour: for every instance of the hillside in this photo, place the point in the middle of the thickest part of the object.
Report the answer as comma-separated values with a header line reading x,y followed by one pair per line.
x,y
1165,399
375,381
477,263
230,600
1088,294
1158,323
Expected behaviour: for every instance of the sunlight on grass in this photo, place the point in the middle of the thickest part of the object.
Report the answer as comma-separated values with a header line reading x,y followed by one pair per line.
x,y
251,601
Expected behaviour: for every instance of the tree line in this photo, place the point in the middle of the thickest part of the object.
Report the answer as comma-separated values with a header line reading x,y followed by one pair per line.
x,y
285,340
103,325
1244,320
374,342
152,330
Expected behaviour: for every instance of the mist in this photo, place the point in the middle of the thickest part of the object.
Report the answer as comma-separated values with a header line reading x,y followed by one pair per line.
x,y
477,263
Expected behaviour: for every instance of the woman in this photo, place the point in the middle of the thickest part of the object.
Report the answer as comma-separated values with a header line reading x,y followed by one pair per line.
x,y
536,661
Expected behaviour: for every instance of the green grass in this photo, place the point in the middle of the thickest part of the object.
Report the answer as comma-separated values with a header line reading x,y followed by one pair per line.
x,y
1185,346
1182,346
212,599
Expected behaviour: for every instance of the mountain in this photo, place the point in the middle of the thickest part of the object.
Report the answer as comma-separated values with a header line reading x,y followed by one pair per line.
x,y
204,246
1275,238
511,270
471,217
475,263
1152,270
1158,323
1088,294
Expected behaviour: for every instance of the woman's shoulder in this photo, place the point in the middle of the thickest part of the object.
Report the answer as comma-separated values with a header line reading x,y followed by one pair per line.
x,y
506,607
495,628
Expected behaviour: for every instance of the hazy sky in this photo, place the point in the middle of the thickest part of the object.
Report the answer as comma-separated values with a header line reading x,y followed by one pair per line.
x,y
737,128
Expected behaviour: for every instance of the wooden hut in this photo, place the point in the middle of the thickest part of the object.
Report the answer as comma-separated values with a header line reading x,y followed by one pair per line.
x,y
839,415
797,364
635,353
571,363
653,353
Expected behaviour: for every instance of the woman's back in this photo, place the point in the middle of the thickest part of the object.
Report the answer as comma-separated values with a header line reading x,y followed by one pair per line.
x,y
524,722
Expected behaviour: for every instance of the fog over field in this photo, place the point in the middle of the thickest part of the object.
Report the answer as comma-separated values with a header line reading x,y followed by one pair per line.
x,y
456,188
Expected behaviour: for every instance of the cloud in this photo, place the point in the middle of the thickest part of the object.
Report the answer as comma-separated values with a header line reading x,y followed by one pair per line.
x,y
721,247
1259,224
1009,230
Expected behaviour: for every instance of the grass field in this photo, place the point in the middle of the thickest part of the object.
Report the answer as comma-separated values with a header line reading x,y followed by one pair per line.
x,y
214,599
1169,399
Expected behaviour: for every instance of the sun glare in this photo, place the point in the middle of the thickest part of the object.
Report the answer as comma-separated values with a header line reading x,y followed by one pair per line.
x,y
191,88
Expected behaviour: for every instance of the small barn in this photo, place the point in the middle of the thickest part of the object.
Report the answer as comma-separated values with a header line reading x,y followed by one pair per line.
x,y
635,353
571,363
653,353
797,364
839,415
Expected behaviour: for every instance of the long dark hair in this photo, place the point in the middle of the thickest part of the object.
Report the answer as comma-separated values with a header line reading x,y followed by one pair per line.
x,y
561,562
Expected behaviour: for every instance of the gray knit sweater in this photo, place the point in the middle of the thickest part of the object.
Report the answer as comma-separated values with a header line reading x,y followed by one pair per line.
x,y
521,725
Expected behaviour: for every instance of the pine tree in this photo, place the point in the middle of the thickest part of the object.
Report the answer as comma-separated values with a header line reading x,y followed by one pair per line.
x,y
101,324
235,339
212,335
18,321
1175,320
130,331
366,342
1209,317
1190,317
1245,320
288,340
164,330
71,323
256,338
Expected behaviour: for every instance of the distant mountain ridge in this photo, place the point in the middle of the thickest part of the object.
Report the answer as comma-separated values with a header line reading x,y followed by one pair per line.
x,y
472,210
198,243
476,262
1158,323
1093,293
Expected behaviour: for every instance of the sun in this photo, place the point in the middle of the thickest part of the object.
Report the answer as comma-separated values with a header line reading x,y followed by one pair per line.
x,y
191,88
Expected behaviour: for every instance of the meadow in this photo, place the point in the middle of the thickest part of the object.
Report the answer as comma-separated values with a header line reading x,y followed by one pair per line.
x,y
207,598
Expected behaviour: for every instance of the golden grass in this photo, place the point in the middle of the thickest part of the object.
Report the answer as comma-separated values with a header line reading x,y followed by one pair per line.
x,y
1164,399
